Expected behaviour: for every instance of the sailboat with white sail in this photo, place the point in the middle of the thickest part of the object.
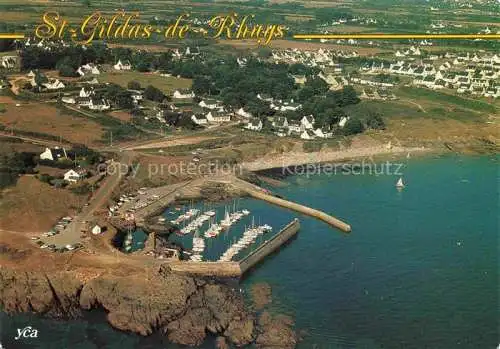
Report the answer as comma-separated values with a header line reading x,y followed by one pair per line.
x,y
400,184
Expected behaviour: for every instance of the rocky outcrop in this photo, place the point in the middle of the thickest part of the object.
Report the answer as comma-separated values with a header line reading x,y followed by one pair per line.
x,y
183,308
55,295
136,303
214,308
275,332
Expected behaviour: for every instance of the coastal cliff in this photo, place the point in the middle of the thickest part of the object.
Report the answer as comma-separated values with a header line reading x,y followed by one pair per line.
x,y
183,308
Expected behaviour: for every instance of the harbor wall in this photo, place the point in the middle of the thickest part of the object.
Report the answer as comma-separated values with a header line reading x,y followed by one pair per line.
x,y
216,269
344,227
269,246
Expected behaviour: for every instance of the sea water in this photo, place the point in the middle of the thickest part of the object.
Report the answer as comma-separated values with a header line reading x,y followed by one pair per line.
x,y
419,270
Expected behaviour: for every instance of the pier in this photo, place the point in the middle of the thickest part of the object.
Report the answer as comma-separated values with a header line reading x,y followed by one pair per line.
x,y
334,222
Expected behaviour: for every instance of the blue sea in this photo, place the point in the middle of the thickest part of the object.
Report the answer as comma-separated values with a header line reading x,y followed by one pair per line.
x,y
419,270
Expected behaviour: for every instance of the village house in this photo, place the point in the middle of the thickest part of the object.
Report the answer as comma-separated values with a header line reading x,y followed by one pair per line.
x,y
54,154
265,98
86,92
125,65
83,101
254,125
136,96
282,132
199,119
217,117
183,94
73,176
295,127
285,106
307,135
8,62
280,122
242,112
54,85
68,100
211,104
307,122
88,68
96,230
343,121
98,104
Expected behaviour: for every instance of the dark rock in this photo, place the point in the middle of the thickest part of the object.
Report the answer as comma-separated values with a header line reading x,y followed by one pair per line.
x,y
276,332
53,294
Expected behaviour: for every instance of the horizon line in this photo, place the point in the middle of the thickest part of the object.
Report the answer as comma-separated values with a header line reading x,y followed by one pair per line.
x,y
396,36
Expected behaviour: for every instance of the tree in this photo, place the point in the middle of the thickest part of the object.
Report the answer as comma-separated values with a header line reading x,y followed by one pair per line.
x,y
67,71
353,126
153,94
375,121
134,85
202,85
349,96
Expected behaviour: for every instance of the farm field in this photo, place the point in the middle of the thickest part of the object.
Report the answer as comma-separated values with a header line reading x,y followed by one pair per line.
x,y
46,119
166,84
34,206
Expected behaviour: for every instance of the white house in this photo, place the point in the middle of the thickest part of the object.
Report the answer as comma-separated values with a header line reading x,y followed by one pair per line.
x,y
54,85
199,119
280,122
88,68
242,112
179,94
307,122
98,104
307,134
86,93
125,65
343,121
68,100
265,98
319,133
54,154
213,116
73,176
96,230
209,104
295,127
254,125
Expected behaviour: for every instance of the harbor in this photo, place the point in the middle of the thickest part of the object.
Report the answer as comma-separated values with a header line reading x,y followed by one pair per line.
x,y
178,225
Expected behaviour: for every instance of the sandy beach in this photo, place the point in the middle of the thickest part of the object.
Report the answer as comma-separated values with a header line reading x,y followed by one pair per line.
x,y
301,158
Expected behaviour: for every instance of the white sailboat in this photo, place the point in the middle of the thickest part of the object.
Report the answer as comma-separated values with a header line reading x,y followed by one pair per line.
x,y
400,184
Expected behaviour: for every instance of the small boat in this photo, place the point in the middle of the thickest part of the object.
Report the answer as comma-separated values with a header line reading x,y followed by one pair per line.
x,y
400,184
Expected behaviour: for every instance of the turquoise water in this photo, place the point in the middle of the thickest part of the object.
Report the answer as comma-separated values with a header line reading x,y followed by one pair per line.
x,y
420,269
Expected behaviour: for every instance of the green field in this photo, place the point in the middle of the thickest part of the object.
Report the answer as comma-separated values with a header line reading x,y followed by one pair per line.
x,y
166,84
432,96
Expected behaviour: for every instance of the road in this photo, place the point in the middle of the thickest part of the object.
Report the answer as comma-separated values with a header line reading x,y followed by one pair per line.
x,y
33,140
71,234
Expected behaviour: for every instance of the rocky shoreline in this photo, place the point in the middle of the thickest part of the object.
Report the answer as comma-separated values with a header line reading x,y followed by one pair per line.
x,y
183,308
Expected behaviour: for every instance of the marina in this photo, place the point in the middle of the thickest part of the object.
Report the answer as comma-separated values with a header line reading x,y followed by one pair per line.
x,y
207,240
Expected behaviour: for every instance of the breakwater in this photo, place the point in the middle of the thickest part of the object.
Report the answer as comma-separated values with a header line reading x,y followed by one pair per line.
x,y
337,223
269,246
